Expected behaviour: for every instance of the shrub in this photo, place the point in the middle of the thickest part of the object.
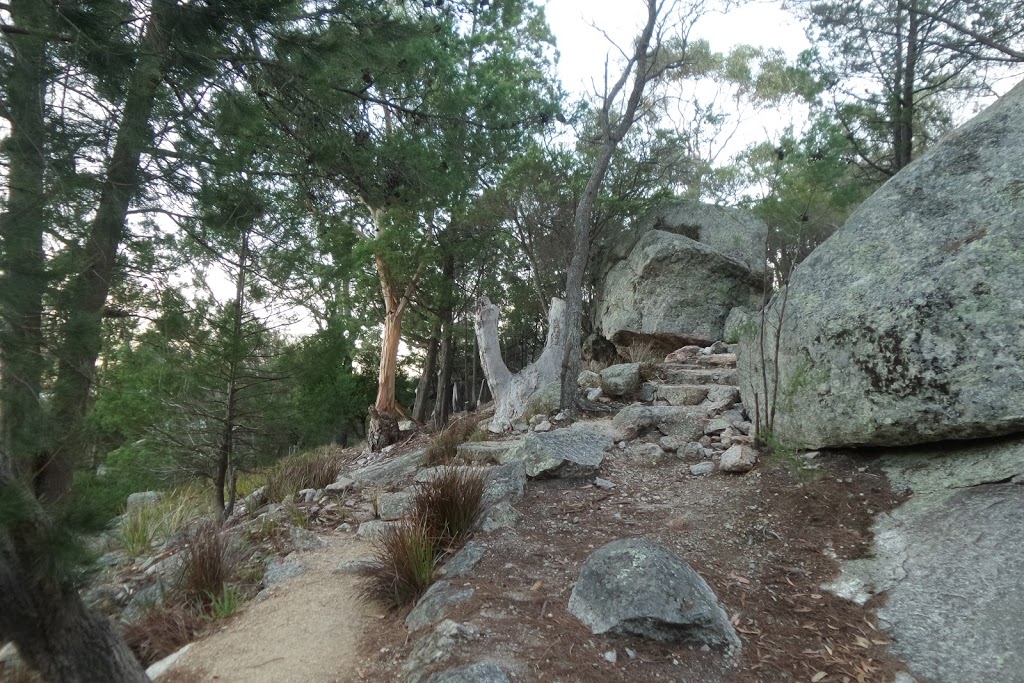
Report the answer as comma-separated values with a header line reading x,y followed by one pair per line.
x,y
210,558
445,445
226,603
404,556
162,631
451,503
313,470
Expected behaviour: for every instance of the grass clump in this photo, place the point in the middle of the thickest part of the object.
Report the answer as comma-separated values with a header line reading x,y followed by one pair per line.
x,y
210,559
451,503
226,603
443,447
158,522
446,509
313,470
405,556
642,352
162,631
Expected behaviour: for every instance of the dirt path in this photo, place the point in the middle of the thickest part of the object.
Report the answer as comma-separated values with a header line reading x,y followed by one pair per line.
x,y
305,631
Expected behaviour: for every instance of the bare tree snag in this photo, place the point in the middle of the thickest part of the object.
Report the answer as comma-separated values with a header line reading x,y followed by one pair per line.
x,y
511,392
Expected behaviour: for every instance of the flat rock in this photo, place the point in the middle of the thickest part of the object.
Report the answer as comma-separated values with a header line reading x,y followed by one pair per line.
x,y
646,454
906,325
634,586
437,646
390,472
392,506
433,606
481,672
500,516
483,452
373,528
683,394
575,451
702,468
463,562
677,421
279,571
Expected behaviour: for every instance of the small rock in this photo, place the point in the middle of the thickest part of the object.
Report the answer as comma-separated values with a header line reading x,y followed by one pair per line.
x,y
670,444
646,454
621,380
594,394
682,355
159,668
521,427
142,499
282,570
544,426
693,451
392,506
373,528
463,561
589,380
604,484
435,603
702,468
648,392
718,347
355,566
738,459
536,420
611,656
500,516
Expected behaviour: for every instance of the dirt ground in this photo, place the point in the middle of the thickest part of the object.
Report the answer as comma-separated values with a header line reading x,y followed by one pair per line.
x,y
305,631
765,541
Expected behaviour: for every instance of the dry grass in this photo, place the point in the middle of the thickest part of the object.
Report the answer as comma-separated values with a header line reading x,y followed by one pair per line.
x,y
211,557
158,522
314,470
451,503
642,352
405,557
162,631
444,446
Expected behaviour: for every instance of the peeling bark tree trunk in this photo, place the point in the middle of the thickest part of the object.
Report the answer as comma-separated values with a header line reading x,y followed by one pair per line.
x,y
511,392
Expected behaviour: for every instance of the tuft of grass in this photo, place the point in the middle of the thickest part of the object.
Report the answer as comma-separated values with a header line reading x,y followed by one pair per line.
x,y
159,522
451,503
642,352
226,603
444,446
210,559
162,631
405,556
138,530
314,470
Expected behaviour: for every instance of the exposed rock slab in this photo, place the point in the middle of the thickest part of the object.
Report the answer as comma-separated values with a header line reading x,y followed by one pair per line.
x,y
949,560
678,421
483,452
390,472
575,451
481,672
906,325
635,586
435,603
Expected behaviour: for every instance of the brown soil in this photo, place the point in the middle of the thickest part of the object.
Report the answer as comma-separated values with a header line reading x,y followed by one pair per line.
x,y
306,630
765,542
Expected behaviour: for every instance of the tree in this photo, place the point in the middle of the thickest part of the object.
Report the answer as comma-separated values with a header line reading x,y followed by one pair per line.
x,y
897,67
653,55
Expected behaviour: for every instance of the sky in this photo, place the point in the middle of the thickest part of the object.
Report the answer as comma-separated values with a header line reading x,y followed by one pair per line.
x,y
583,48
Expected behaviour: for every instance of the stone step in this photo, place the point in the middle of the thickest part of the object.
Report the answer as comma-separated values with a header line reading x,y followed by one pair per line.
x,y
675,373
682,394
483,452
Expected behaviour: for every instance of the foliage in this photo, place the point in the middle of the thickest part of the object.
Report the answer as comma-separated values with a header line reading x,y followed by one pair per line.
x,y
444,446
403,567
451,503
210,558
226,603
312,470
162,630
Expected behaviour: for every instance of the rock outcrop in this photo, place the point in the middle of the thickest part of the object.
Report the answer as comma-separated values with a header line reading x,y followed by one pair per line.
x,y
907,325
675,279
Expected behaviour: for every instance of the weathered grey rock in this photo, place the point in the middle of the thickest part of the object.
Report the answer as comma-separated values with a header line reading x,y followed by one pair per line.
x,y
437,646
676,421
906,325
674,374
464,561
574,451
738,459
621,380
373,528
948,560
481,672
544,401
144,600
692,451
646,454
341,485
683,394
391,472
355,566
648,392
500,516
142,499
604,484
702,468
543,426
589,379
502,482
158,669
279,570
635,586
741,324
483,452
392,506
671,444
595,394
720,397
673,290
435,603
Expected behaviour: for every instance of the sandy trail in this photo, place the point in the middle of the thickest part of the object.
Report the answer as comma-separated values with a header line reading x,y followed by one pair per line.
x,y
306,631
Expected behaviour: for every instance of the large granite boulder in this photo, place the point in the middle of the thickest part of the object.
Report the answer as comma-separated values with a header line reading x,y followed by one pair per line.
x,y
634,586
576,451
675,279
907,325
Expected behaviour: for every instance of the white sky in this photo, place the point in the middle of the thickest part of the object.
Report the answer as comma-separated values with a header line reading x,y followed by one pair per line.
x,y
583,48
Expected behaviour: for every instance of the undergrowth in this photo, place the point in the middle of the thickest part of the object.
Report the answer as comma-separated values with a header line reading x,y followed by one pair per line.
x,y
788,455
158,522
211,556
444,447
162,631
314,470
451,503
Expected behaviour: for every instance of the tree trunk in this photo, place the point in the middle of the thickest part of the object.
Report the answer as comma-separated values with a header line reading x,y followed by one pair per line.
x,y
419,410
444,376
227,444
43,614
23,280
83,333
512,392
